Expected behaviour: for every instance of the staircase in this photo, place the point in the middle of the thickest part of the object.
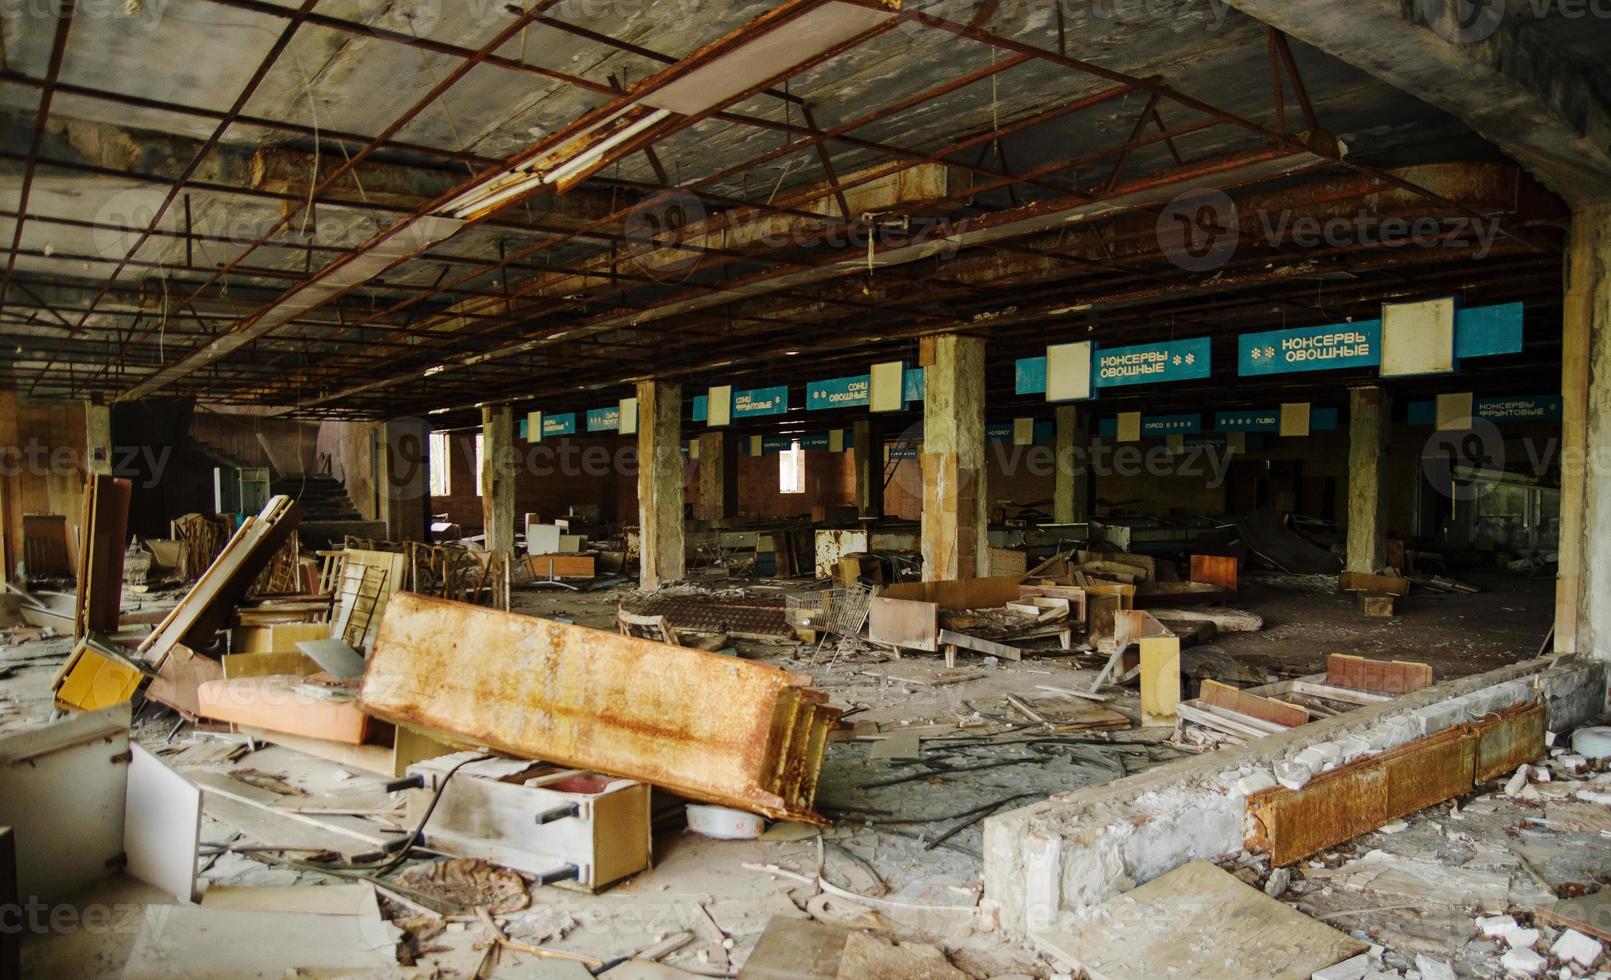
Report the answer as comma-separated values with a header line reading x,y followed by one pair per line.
x,y
322,498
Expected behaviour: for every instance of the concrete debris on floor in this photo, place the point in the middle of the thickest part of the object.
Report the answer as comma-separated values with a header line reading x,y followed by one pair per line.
x,y
764,780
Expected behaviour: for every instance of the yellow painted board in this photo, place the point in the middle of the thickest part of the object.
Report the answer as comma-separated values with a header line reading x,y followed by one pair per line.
x,y
1294,418
1160,679
1129,429
268,664
91,680
1455,411
887,383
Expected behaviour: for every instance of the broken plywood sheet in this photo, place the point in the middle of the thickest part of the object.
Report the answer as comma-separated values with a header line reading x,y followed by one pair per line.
x,y
1377,676
1198,921
718,729
195,942
796,949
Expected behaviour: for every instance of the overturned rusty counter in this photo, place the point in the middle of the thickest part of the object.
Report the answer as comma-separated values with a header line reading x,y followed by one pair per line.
x,y
710,727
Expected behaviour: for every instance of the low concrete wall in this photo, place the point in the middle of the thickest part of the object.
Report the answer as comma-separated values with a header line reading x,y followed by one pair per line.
x,y
1078,849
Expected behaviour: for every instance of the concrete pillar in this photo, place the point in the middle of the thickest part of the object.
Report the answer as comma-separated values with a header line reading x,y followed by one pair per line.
x,y
404,480
955,519
867,457
498,477
718,476
98,438
1582,607
1369,413
1071,492
660,482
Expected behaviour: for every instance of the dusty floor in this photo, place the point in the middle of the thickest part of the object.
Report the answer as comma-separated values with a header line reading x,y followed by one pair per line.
x,y
907,834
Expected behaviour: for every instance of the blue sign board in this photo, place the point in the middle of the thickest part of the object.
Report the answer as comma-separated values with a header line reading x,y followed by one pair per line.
x,y
851,392
1518,408
1483,331
1488,330
1328,348
1321,419
1156,425
604,419
559,425
701,407
1030,376
912,385
1167,360
760,401
1045,431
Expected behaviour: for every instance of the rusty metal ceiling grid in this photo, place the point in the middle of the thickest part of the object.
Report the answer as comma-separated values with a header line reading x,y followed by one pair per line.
x,y
1047,219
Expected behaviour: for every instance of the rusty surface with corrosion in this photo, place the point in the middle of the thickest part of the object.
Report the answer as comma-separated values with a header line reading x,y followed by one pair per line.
x,y
1357,798
710,727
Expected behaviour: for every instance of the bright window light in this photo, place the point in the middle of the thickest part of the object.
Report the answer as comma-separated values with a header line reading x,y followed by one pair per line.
x,y
441,470
480,457
791,469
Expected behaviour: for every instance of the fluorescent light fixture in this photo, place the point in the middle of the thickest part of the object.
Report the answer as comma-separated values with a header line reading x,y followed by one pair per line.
x,y
752,63
502,188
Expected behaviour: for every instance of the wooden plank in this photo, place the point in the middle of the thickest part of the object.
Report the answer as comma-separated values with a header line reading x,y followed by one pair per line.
x,y
967,593
1377,676
1160,679
294,663
719,729
10,939
561,566
908,624
1199,921
977,644
1216,570
1366,582
1589,914
1266,709
103,535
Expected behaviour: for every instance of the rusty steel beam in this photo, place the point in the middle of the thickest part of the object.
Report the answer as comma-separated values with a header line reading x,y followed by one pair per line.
x,y
58,50
719,729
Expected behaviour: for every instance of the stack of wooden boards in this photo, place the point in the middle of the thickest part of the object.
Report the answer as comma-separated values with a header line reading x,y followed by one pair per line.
x,y
712,728
96,675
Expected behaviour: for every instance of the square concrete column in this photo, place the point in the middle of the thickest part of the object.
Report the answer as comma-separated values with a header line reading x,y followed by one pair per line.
x,y
1582,607
718,476
498,478
660,483
867,458
98,438
955,519
1369,413
1071,491
404,479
